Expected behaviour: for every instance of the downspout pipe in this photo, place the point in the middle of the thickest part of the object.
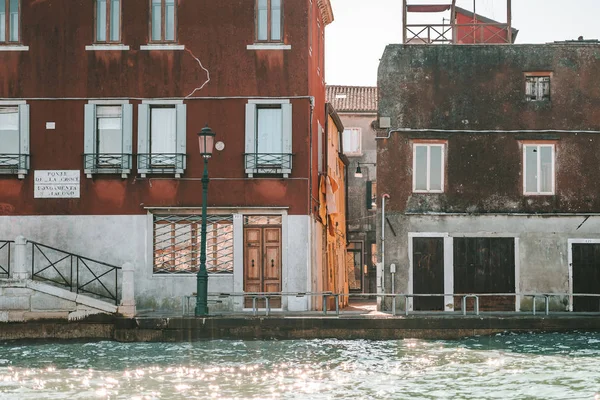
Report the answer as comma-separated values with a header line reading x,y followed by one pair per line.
x,y
381,280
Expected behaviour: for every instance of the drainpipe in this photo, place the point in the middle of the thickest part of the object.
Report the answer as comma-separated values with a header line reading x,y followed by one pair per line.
x,y
381,280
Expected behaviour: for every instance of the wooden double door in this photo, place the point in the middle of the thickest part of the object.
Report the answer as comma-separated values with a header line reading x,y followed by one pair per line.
x,y
262,263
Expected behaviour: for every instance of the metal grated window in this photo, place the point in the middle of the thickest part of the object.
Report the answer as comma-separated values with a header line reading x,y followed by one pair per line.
x,y
177,240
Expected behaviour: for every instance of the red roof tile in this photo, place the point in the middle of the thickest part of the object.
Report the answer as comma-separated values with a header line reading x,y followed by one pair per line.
x,y
353,98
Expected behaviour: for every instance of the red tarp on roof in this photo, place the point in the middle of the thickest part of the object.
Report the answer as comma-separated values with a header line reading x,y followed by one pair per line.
x,y
429,8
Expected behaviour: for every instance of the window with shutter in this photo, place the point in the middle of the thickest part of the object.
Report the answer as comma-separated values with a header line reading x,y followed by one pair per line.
x,y
352,141
161,138
537,87
14,139
107,138
268,137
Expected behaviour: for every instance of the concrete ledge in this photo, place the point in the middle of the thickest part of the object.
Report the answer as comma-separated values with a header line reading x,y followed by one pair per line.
x,y
187,329
73,297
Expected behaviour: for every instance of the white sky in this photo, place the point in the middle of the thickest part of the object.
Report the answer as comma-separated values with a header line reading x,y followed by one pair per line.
x,y
362,28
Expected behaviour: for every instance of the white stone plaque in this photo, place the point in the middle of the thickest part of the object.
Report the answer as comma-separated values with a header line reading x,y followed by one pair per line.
x,y
57,184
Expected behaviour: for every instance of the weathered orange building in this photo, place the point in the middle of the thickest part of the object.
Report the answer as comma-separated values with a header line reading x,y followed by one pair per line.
x,y
100,105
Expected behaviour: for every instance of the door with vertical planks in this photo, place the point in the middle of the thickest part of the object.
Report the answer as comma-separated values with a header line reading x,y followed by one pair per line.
x,y
262,263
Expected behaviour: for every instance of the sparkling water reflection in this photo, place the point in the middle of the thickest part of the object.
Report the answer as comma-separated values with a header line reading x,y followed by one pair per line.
x,y
528,366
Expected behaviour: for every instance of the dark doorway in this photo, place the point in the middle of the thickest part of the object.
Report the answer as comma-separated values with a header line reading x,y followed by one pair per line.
x,y
485,265
586,276
428,273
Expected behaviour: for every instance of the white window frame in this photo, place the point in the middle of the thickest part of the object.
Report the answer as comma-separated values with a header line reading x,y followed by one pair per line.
x,y
23,167
91,136
359,134
144,132
251,130
539,162
428,173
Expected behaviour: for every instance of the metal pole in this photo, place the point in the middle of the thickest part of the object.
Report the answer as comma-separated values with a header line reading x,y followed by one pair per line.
x,y
202,276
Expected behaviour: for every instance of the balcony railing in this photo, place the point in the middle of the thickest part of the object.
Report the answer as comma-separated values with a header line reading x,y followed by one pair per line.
x,y
479,33
268,163
13,163
161,163
104,163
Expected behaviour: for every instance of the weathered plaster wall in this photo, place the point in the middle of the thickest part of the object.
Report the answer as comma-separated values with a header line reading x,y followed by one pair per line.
x,y
483,86
121,238
542,258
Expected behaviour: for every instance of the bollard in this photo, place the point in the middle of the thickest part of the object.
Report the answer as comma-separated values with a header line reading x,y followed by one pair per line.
x,y
127,307
20,269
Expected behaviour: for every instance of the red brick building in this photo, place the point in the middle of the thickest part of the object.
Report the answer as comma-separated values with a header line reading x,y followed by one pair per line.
x,y
111,95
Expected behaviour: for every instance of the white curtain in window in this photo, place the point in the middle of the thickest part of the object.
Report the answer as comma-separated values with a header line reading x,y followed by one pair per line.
x,y
109,130
101,20
2,20
156,20
420,168
163,125
351,141
546,173
275,20
170,20
270,131
435,168
262,20
115,20
14,20
9,130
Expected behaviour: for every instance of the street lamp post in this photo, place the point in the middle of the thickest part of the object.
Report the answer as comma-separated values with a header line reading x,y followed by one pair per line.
x,y
206,139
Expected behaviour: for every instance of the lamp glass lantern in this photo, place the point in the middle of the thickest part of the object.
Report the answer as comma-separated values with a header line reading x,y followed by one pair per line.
x,y
206,141
358,173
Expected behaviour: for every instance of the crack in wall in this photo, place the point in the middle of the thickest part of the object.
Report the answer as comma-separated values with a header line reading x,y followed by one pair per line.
x,y
201,66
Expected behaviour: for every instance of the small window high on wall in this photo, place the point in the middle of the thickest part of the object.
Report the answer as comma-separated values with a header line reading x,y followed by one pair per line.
x,y
269,20
428,167
163,20
9,21
108,21
537,86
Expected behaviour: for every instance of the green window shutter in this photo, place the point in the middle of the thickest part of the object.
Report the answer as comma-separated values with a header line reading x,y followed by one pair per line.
x,y
24,134
181,130
127,132
369,195
143,145
89,129
286,110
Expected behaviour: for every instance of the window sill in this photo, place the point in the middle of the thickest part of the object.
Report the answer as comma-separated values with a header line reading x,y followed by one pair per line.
x,y
269,46
107,47
162,47
268,171
19,172
538,194
160,171
106,171
15,47
428,191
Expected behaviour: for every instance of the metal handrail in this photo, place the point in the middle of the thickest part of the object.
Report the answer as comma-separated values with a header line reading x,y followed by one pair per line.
x,y
5,268
78,266
445,32
337,296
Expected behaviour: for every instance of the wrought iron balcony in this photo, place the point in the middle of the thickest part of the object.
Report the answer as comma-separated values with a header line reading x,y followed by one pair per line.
x,y
14,163
268,163
161,163
105,163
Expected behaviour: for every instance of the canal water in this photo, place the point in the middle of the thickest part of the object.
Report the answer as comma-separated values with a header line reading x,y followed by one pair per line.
x,y
507,366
